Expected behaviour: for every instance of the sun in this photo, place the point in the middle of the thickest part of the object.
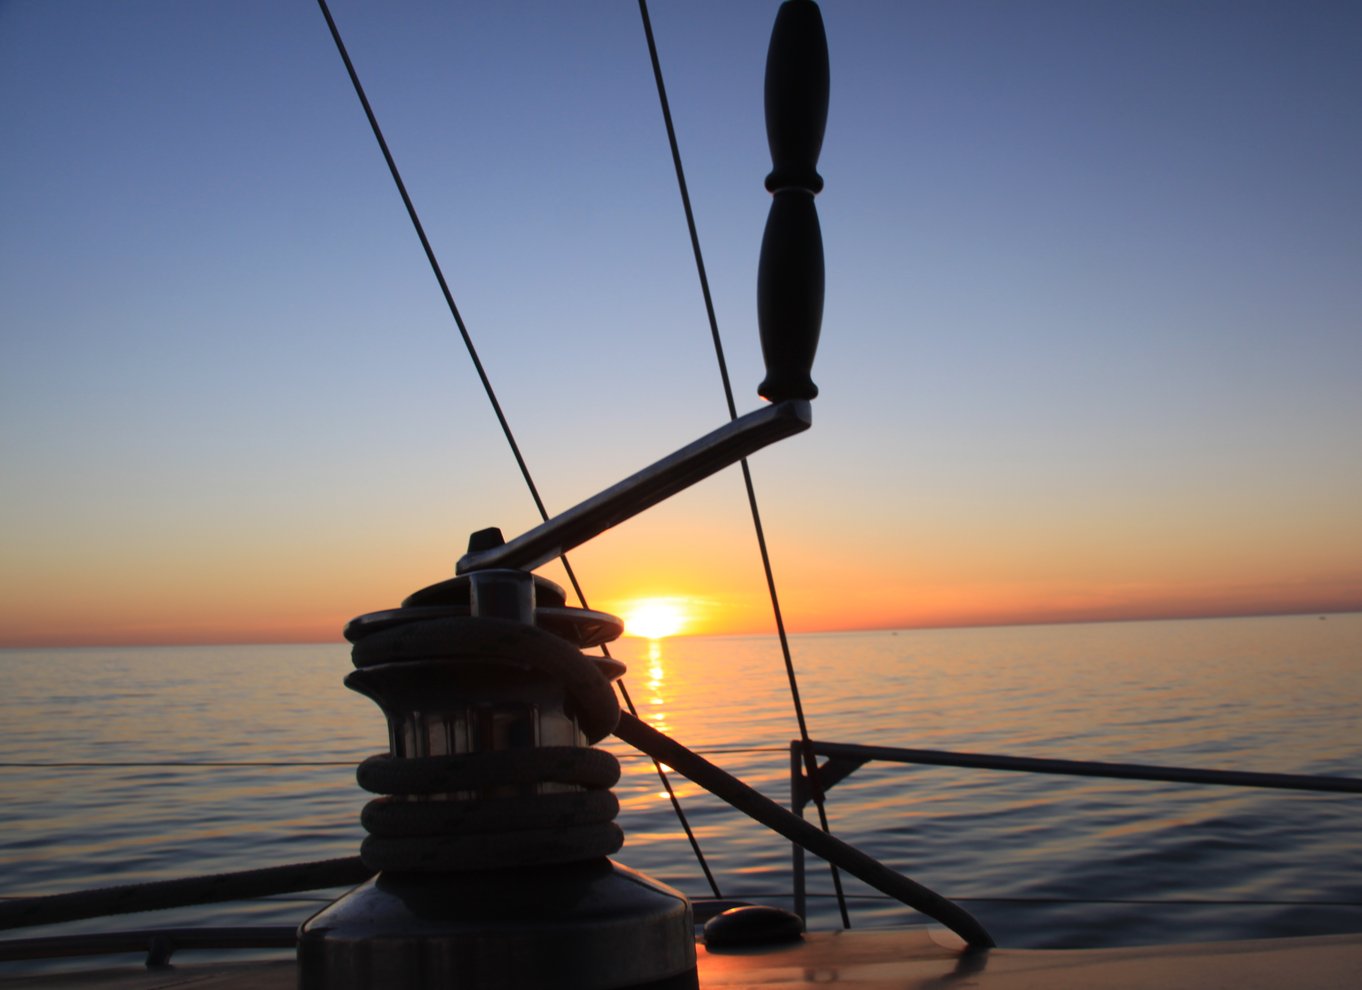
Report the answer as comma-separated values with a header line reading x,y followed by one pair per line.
x,y
655,618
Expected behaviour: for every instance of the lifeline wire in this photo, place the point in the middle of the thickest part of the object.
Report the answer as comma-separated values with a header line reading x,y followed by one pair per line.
x,y
491,393
810,760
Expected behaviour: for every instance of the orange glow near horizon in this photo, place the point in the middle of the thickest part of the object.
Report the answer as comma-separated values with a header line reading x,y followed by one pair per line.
x,y
677,598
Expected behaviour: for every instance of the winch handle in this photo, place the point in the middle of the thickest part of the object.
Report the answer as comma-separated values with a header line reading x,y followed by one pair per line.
x,y
789,308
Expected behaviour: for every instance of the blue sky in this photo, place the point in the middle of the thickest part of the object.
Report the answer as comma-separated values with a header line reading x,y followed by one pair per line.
x,y
1091,346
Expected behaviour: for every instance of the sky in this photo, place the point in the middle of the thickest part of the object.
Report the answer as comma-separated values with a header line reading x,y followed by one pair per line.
x,y
1091,348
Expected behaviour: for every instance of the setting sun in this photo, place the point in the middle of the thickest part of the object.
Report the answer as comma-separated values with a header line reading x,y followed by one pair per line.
x,y
655,618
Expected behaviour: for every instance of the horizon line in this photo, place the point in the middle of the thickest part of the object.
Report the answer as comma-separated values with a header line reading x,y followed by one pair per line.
x,y
996,624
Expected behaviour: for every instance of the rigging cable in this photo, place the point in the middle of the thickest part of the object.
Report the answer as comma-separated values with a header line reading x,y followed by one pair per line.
x,y
491,393
810,760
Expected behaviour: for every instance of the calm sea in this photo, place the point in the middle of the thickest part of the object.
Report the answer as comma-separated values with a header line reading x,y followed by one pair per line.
x,y
127,790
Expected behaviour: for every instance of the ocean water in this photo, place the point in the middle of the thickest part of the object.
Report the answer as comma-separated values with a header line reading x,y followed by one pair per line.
x,y
126,765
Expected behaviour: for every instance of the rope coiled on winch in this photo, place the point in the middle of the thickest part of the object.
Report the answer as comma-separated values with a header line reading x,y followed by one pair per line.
x,y
424,822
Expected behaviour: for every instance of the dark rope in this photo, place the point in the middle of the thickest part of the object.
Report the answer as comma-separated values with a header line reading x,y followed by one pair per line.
x,y
435,650
810,761
752,803
486,810
671,795
657,766
661,773
384,773
491,393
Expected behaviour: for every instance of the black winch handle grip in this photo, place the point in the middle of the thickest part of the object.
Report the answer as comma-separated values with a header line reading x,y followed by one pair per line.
x,y
790,272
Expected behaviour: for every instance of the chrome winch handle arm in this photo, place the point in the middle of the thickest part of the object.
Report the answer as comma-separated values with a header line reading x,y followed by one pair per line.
x,y
676,472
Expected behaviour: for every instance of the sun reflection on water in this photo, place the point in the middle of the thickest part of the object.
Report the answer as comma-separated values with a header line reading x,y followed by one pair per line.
x,y
656,685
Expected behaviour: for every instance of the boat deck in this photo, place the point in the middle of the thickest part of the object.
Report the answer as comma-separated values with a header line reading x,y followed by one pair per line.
x,y
913,959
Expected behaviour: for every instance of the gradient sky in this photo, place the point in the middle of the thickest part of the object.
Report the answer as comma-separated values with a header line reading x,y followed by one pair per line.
x,y
1092,346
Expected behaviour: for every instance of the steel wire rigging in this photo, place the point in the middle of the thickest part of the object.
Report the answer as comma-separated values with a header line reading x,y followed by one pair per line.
x,y
502,420
810,759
